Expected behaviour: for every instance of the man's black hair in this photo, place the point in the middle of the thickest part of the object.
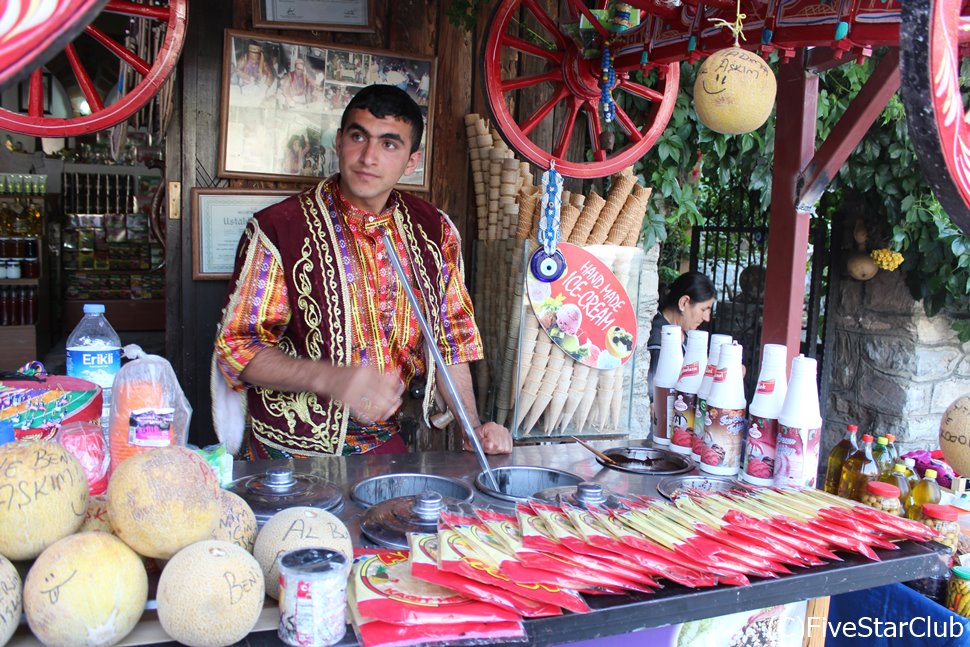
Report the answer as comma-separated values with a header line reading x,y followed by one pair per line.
x,y
388,101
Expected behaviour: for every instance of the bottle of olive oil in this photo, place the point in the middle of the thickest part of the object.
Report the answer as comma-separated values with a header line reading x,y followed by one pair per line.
x,y
859,468
926,491
893,450
898,478
842,449
880,452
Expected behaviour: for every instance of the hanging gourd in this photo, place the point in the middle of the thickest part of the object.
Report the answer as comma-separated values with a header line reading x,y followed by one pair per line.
x,y
734,89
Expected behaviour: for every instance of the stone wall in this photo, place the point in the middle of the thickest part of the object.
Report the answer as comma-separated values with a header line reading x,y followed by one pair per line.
x,y
893,370
647,308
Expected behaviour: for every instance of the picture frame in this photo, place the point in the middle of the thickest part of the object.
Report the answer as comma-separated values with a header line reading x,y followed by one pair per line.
x,y
315,15
219,217
282,99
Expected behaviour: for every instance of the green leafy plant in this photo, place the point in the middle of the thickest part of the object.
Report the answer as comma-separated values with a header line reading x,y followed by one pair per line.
x,y
690,166
463,13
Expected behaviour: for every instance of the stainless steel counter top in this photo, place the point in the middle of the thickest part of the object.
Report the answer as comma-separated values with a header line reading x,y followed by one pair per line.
x,y
612,615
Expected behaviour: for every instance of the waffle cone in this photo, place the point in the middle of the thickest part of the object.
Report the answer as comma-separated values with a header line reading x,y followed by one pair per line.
x,y
569,216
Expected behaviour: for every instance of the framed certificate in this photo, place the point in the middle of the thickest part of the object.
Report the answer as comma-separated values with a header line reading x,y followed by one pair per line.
x,y
219,217
329,15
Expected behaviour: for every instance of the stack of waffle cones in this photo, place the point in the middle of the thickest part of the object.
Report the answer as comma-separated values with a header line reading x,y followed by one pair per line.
x,y
551,391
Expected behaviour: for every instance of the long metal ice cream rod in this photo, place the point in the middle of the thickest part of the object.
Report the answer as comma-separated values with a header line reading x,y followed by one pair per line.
x,y
429,338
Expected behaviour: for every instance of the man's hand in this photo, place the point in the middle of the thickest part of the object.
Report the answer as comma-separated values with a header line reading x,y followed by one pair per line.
x,y
370,395
495,439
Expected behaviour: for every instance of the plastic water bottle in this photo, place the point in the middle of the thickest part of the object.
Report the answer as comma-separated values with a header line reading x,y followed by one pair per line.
x,y
94,353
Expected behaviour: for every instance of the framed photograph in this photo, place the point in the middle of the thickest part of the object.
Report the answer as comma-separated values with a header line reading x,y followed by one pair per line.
x,y
282,100
219,217
329,15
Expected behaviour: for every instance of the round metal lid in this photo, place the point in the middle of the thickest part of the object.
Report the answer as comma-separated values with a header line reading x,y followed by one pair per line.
x,y
388,522
279,488
669,487
372,491
583,494
647,460
521,482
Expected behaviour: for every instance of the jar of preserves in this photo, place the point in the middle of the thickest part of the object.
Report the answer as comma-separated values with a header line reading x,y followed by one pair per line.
x,y
30,268
943,519
882,496
958,591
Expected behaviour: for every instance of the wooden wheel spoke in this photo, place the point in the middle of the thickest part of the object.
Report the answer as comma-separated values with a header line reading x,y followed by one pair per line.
x,y
595,128
83,80
548,23
35,96
640,90
580,6
543,111
137,10
527,81
632,131
566,134
138,63
963,29
531,48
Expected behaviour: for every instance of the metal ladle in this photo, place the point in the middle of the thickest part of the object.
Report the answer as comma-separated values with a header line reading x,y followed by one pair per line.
x,y
456,405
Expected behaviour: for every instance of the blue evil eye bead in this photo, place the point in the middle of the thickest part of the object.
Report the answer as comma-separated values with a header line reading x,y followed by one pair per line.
x,y
547,267
841,30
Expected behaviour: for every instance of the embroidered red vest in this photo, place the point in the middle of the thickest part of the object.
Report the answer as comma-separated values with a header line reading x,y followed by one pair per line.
x,y
307,236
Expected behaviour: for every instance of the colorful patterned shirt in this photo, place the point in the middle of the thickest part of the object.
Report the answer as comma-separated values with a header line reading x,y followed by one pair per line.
x,y
386,332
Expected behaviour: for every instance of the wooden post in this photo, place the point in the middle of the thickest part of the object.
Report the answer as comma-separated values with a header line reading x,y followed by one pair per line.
x,y
788,227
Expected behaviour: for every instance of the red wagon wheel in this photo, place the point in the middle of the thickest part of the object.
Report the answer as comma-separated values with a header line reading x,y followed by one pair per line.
x,y
565,73
168,15
933,37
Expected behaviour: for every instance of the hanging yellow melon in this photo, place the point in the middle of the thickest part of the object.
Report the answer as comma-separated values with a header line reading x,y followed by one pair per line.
x,y
734,91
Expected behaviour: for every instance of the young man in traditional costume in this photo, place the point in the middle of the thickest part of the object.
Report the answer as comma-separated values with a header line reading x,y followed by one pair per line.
x,y
316,330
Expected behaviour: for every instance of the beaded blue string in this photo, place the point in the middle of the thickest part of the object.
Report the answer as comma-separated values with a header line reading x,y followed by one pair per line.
x,y
549,212
607,83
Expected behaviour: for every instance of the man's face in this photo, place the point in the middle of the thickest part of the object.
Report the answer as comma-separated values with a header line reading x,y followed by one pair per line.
x,y
374,154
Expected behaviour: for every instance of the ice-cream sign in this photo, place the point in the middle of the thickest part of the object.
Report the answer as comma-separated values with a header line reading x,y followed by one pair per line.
x,y
586,311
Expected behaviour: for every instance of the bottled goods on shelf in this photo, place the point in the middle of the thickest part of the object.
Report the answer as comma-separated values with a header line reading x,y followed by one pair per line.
x,y
943,519
859,468
836,458
927,491
893,450
958,592
880,452
882,496
18,305
899,478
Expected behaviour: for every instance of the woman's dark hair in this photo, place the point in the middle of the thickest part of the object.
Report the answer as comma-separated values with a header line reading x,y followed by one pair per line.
x,y
692,284
388,101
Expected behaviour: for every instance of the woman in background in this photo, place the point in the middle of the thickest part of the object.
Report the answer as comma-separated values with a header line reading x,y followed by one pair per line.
x,y
688,304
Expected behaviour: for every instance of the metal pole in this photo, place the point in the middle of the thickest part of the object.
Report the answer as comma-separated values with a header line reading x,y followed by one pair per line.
x,y
429,337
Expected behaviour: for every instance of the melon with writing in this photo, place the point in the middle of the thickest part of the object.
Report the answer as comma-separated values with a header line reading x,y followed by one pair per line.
x,y
734,91
43,497
238,523
86,589
11,599
955,434
162,500
301,527
210,594
96,517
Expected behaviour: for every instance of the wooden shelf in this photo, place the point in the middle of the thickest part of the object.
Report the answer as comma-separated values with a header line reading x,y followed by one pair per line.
x,y
33,282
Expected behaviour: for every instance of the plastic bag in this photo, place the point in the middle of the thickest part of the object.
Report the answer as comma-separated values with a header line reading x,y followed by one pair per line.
x,y
85,442
148,408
